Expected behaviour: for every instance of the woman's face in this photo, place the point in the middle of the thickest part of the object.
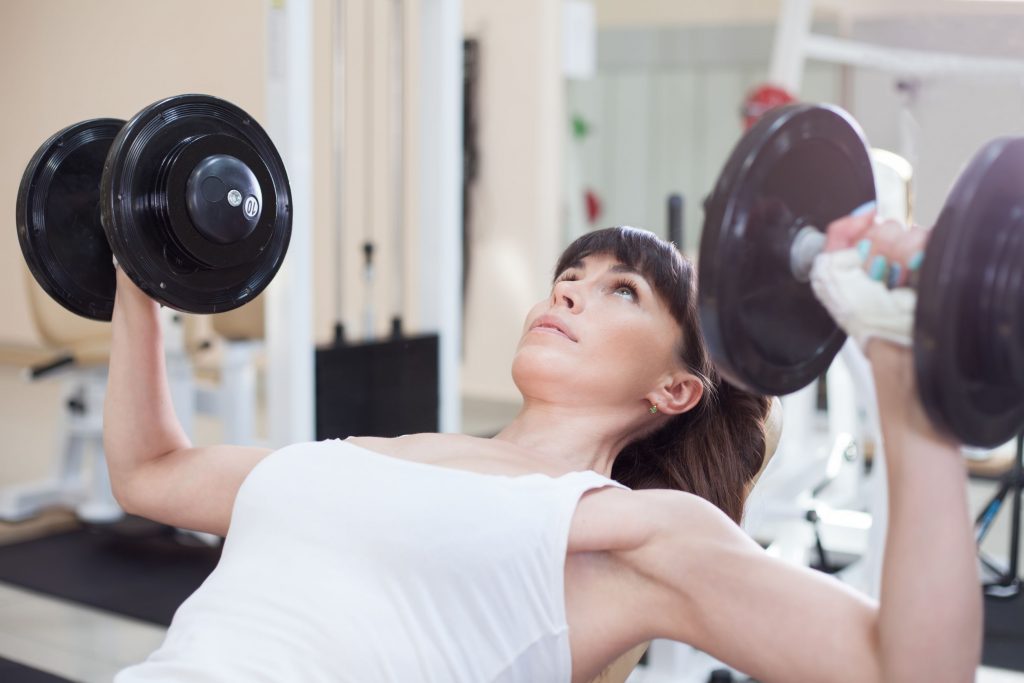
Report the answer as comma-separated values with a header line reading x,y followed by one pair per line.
x,y
603,337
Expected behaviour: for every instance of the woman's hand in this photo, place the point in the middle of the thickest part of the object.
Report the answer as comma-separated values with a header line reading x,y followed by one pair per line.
x,y
864,279
862,276
889,251
128,295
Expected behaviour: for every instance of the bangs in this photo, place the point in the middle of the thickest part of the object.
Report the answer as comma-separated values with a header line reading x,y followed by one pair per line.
x,y
658,261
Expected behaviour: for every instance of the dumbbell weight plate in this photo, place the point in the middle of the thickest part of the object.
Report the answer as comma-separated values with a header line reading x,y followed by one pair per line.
x,y
58,219
968,325
195,202
799,165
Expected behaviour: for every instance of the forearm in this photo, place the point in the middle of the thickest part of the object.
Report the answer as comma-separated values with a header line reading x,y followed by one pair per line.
x,y
139,422
930,614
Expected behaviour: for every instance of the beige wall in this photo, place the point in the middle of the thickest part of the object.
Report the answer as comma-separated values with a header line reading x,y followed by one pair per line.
x,y
62,61
369,173
516,216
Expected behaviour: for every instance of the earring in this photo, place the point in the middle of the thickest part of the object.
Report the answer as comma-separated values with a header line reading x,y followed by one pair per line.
x,y
654,408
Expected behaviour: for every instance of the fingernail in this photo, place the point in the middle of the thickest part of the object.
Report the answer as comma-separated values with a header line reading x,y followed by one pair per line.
x,y
864,209
894,276
864,248
878,265
915,261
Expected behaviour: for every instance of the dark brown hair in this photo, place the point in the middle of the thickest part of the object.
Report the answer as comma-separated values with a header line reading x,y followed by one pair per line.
x,y
718,447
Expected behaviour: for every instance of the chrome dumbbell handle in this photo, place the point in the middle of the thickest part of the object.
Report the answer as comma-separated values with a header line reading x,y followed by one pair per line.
x,y
810,241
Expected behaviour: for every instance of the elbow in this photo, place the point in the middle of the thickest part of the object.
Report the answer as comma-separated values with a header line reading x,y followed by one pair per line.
x,y
119,481
876,671
120,487
123,477
899,659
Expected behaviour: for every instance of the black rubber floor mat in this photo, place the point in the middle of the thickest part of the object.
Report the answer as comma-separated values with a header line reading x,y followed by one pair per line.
x,y
1004,633
145,573
12,672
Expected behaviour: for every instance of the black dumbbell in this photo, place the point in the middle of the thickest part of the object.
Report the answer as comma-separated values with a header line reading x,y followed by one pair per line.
x,y
803,166
190,196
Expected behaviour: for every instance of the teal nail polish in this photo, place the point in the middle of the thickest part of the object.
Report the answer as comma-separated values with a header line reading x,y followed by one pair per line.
x,y
915,261
894,275
878,266
864,248
865,208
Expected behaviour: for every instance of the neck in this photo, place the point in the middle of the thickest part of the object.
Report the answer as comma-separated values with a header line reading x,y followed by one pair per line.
x,y
575,437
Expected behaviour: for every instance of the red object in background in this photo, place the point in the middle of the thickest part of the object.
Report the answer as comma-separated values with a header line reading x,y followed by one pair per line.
x,y
593,205
763,98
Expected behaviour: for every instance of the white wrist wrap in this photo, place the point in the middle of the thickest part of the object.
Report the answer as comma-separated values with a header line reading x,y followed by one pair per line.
x,y
862,307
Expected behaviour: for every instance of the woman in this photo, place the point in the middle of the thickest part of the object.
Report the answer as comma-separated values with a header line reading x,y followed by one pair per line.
x,y
524,558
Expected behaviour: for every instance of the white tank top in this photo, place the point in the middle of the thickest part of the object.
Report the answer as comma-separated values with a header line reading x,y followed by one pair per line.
x,y
342,564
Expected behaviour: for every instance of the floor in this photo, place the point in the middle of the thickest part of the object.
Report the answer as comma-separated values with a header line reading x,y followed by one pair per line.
x,y
84,644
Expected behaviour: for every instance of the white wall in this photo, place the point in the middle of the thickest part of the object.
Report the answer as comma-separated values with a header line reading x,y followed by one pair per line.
x,y
947,120
664,107
617,13
665,114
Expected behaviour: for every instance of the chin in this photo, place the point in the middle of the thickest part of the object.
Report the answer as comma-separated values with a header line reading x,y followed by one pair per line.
x,y
543,372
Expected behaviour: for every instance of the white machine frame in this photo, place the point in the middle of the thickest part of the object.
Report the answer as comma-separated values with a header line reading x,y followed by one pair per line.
x,y
289,319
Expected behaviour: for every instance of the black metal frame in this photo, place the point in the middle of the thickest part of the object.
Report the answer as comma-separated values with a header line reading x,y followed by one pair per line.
x,y
1007,583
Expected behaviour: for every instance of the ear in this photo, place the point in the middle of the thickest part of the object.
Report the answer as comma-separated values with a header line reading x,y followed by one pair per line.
x,y
678,393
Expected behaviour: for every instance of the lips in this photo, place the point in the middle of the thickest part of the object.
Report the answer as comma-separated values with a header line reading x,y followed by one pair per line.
x,y
550,322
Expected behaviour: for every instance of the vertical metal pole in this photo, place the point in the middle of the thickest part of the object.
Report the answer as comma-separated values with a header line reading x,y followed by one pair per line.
x,y
788,52
289,299
338,120
370,156
1017,473
398,166
675,221
440,179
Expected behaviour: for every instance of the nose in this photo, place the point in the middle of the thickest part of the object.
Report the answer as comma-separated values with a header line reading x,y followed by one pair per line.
x,y
567,293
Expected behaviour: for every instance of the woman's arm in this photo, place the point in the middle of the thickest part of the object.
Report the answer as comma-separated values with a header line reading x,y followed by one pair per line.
x,y
139,423
784,623
154,470
930,617
710,585
706,583
930,620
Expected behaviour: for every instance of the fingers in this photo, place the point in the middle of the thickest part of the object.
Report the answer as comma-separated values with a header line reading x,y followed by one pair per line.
x,y
877,251
846,232
126,288
892,253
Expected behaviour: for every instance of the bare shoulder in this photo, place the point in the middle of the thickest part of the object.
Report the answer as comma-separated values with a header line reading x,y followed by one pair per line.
x,y
616,519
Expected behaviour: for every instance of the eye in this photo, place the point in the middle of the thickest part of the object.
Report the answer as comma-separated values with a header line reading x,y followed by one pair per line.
x,y
626,290
567,276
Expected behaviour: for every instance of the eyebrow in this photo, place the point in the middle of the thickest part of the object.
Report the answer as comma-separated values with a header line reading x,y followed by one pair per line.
x,y
617,268
620,268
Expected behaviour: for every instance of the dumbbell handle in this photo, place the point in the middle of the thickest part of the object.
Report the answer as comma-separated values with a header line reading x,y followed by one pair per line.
x,y
810,241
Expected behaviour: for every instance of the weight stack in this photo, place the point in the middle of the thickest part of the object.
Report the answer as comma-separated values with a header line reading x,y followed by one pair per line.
x,y
379,388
